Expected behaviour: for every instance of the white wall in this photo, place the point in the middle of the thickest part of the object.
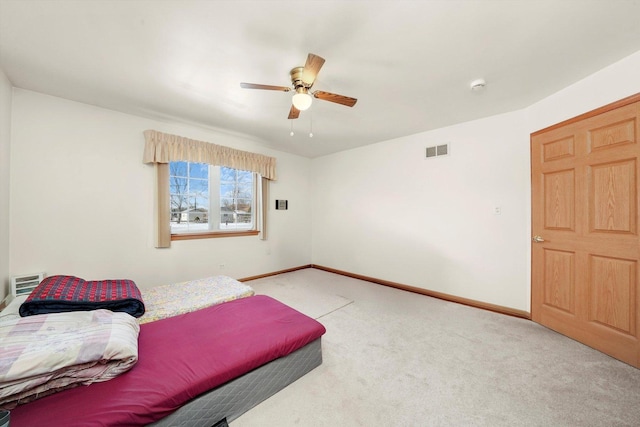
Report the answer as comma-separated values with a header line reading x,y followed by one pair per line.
x,y
386,212
5,139
610,84
82,200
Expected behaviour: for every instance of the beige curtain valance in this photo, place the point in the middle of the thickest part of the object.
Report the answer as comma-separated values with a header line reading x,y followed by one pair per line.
x,y
164,148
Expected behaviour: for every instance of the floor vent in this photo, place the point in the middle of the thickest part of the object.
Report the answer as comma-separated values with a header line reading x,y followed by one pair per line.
x,y
23,285
437,150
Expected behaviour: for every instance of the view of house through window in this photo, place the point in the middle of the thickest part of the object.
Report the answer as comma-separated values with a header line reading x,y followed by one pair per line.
x,y
206,198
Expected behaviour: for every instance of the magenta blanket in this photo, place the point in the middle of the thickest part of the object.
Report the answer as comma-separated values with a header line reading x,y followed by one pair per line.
x,y
180,358
58,294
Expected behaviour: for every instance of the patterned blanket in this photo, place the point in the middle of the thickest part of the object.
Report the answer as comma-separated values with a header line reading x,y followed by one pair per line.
x,y
179,298
43,354
57,294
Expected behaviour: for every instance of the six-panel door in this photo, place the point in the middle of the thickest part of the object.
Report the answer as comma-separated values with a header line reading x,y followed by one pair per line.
x,y
585,206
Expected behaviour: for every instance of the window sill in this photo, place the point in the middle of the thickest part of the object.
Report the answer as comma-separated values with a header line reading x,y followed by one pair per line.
x,y
213,235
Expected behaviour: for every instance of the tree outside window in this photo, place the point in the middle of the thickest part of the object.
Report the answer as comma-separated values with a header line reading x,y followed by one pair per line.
x,y
205,198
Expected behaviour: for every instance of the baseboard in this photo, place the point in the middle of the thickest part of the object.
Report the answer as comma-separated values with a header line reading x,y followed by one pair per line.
x,y
275,273
452,298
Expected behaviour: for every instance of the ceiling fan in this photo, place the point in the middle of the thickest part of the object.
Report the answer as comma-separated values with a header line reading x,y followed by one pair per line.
x,y
302,79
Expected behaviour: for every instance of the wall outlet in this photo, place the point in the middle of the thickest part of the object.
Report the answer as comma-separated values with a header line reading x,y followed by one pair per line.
x,y
497,210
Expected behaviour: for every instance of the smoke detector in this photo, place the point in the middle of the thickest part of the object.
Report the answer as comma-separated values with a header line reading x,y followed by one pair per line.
x,y
478,84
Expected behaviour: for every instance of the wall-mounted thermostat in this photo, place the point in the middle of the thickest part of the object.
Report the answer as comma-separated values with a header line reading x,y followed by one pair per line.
x,y
282,205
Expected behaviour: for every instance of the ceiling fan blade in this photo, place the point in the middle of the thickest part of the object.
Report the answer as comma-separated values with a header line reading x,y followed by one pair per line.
x,y
311,69
294,113
265,87
338,99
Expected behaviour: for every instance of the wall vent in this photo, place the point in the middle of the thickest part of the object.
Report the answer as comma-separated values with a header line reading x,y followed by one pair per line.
x,y
23,285
437,151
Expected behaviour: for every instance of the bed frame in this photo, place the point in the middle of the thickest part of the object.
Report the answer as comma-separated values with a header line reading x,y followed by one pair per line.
x,y
237,396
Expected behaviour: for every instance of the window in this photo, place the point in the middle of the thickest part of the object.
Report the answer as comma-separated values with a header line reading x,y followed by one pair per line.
x,y
197,208
208,199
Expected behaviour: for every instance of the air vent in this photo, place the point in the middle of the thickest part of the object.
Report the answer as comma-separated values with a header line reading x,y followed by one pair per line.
x,y
437,150
23,285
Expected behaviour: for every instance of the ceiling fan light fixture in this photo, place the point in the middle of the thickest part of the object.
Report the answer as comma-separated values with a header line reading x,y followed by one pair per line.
x,y
302,100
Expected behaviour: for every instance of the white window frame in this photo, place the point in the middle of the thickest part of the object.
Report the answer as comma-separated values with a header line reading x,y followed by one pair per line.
x,y
213,227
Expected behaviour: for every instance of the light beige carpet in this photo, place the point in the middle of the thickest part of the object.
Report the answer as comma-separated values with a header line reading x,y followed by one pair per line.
x,y
393,358
314,301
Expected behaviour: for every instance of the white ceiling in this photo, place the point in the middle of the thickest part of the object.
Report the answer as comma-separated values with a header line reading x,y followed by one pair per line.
x,y
409,63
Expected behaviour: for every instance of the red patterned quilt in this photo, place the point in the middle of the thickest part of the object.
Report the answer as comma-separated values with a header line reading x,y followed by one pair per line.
x,y
58,294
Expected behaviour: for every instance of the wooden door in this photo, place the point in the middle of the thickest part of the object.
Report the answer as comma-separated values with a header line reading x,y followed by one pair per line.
x,y
585,272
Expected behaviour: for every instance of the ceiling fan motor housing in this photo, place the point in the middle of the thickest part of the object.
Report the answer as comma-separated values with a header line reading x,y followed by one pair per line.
x,y
296,77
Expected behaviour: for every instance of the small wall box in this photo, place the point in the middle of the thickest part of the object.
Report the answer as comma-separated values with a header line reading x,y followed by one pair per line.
x,y
282,205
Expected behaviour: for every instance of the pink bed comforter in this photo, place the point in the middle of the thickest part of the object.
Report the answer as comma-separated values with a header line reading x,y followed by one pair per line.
x,y
180,358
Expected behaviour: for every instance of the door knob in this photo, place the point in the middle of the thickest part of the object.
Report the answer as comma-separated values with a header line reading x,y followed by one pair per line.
x,y
537,239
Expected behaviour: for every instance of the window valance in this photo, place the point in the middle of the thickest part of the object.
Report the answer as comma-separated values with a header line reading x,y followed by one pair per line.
x,y
164,148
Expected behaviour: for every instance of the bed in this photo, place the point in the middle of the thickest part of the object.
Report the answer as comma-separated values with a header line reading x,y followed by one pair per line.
x,y
236,354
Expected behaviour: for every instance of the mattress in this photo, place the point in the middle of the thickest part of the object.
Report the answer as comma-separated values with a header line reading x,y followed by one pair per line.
x,y
184,297
180,358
